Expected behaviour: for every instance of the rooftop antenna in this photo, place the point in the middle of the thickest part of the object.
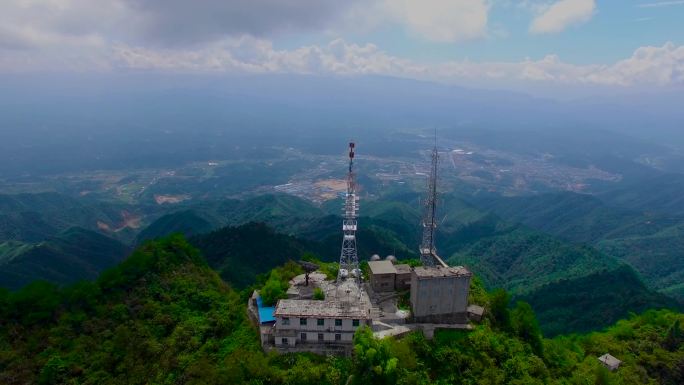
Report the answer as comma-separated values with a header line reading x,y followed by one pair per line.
x,y
428,252
349,260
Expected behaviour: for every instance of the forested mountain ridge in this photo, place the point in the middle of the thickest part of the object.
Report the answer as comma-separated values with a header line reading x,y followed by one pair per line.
x,y
521,259
650,241
502,253
163,316
587,303
35,217
69,256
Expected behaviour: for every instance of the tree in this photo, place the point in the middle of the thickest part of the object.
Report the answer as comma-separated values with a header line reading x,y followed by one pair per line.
x,y
499,313
674,337
525,325
272,292
373,360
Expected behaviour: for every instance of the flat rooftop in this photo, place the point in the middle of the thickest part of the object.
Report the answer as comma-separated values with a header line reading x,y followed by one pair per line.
x,y
382,267
441,271
402,269
322,309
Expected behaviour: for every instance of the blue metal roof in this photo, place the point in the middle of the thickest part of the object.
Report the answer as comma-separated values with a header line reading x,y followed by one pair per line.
x,y
265,312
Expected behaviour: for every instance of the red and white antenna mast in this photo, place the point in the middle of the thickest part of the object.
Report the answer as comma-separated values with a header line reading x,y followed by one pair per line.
x,y
349,259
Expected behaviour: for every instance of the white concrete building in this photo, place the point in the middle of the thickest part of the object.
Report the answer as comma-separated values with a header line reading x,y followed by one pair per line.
x,y
325,327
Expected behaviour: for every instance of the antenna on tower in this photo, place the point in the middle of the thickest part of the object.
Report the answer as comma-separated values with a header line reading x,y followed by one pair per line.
x,y
349,260
428,252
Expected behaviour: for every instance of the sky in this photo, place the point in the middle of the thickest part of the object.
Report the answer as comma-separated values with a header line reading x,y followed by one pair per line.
x,y
622,45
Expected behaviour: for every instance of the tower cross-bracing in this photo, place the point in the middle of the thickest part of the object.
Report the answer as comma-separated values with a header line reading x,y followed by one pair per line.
x,y
349,260
428,252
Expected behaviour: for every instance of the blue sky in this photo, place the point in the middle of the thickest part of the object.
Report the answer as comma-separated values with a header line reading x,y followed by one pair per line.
x,y
614,31
626,45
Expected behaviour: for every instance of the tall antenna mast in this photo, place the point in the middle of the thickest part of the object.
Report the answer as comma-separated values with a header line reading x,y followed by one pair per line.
x,y
349,260
428,252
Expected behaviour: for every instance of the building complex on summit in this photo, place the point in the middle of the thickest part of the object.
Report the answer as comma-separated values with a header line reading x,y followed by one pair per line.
x,y
438,292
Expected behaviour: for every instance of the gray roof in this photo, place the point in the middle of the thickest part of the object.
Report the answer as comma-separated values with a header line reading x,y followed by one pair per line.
x,y
609,360
476,309
382,267
440,271
320,309
403,269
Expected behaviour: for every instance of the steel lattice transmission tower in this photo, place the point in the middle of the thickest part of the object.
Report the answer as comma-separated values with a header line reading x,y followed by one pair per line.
x,y
349,259
428,252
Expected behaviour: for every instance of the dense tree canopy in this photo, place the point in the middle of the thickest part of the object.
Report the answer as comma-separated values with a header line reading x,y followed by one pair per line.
x,y
164,317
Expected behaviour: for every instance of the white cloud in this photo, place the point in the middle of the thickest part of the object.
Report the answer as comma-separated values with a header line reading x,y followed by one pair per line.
x,y
562,14
661,4
81,35
661,66
175,23
248,54
648,66
442,20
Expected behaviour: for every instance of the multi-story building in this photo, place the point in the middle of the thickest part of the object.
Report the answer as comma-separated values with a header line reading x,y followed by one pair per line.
x,y
387,277
440,294
325,327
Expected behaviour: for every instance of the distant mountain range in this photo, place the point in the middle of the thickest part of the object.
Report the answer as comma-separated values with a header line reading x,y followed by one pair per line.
x,y
72,255
643,226
244,238
36,217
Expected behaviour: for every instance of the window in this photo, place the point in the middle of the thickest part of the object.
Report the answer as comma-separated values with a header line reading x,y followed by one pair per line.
x,y
303,336
320,322
285,341
338,337
302,321
286,321
320,336
338,322
355,323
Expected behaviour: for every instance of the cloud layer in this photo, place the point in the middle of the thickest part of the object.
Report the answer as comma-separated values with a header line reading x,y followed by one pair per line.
x,y
442,20
174,22
562,14
648,66
236,37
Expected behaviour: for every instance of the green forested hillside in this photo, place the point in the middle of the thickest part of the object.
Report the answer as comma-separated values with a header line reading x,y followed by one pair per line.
x,y
575,217
503,254
651,242
163,316
596,300
286,213
186,222
660,194
522,260
36,217
659,257
572,288
72,255
240,253
160,317
281,211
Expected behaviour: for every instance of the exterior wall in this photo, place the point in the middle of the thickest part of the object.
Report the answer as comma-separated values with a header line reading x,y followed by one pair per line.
x,y
402,281
312,324
382,282
280,341
293,331
439,299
